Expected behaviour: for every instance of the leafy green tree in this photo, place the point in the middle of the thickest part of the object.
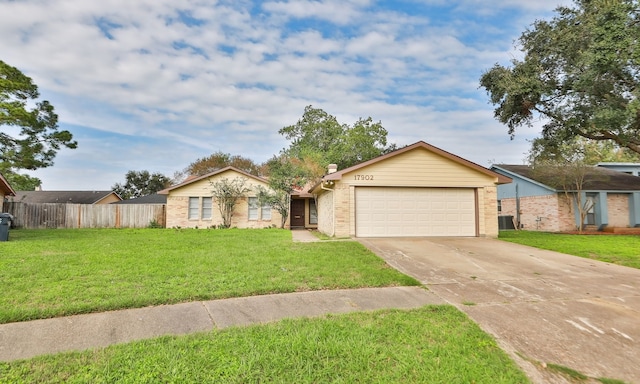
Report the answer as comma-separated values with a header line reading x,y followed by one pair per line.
x,y
568,176
578,149
278,200
219,160
579,74
226,193
319,136
363,141
19,182
566,166
141,183
316,141
286,174
30,138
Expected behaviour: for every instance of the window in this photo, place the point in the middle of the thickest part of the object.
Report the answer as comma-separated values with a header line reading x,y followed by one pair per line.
x,y
200,209
590,204
253,208
313,212
194,203
499,205
265,210
207,204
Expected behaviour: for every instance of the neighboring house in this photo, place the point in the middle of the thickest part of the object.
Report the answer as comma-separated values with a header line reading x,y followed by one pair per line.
x,y
69,197
5,190
148,199
190,205
418,190
534,205
629,168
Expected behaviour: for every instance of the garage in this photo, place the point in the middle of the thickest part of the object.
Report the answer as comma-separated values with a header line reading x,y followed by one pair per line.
x,y
415,191
412,212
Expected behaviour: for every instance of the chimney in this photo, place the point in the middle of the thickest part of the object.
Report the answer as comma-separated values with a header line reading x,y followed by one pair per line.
x,y
333,168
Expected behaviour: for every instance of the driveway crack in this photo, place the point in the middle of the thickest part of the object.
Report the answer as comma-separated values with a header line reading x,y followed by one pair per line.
x,y
213,321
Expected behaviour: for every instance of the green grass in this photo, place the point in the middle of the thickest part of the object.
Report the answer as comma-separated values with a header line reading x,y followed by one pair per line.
x,y
48,273
433,344
571,373
616,249
578,377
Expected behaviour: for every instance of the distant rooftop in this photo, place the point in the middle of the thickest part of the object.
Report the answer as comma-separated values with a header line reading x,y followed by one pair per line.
x,y
596,179
630,168
70,197
149,199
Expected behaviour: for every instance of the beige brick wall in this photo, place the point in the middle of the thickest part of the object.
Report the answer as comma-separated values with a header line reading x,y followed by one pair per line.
x,y
618,207
178,215
178,204
334,211
325,213
343,211
488,211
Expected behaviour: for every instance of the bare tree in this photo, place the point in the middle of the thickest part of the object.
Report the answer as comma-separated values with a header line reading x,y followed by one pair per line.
x,y
570,178
226,192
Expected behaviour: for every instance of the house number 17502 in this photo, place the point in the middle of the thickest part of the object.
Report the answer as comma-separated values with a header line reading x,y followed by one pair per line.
x,y
363,177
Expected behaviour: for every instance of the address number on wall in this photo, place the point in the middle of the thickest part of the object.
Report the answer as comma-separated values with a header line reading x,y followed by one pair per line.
x,y
363,177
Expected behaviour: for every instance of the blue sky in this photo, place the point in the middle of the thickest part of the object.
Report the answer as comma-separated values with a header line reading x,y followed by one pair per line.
x,y
156,84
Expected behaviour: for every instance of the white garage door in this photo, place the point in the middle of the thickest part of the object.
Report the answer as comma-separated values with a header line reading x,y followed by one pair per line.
x,y
406,212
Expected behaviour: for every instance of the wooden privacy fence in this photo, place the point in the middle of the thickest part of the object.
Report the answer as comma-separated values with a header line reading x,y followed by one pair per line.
x,y
60,215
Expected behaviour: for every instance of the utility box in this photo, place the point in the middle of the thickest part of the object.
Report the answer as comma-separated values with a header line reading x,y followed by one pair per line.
x,y
505,222
5,223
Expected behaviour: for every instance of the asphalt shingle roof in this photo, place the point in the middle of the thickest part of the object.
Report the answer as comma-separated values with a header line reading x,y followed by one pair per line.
x,y
596,178
149,199
71,197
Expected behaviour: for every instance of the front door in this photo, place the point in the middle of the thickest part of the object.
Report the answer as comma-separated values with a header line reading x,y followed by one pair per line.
x,y
297,213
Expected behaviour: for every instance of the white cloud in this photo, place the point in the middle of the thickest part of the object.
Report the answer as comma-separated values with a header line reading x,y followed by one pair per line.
x,y
335,11
198,76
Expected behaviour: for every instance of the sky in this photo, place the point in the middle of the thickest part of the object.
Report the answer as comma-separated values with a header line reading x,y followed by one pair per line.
x,y
158,84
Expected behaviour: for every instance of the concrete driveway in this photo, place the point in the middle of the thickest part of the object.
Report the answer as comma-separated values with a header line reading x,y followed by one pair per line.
x,y
542,307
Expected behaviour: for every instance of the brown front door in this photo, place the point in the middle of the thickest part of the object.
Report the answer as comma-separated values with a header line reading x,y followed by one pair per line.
x,y
297,213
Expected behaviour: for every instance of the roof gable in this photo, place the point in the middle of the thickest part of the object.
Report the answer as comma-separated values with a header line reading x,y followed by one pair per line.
x,y
6,187
192,180
501,179
515,172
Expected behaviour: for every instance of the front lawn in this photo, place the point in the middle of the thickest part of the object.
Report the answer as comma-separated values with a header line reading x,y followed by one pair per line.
x,y
616,249
48,273
433,344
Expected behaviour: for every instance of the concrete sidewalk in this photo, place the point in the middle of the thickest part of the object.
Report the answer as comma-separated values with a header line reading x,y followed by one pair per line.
x,y
28,339
303,236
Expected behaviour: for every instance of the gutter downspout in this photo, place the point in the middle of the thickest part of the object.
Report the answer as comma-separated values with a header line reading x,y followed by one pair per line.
x,y
333,219
517,208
